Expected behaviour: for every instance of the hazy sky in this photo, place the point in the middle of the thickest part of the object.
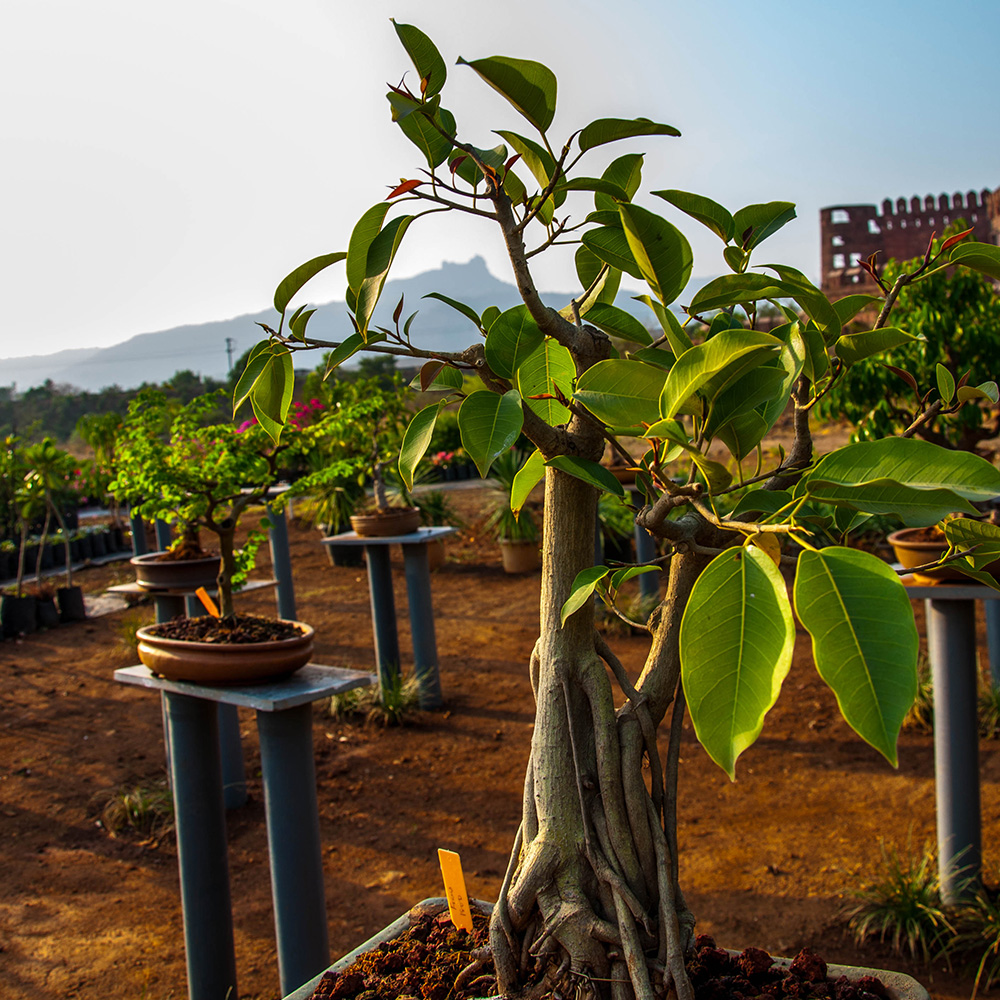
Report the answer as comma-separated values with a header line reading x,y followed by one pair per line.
x,y
168,163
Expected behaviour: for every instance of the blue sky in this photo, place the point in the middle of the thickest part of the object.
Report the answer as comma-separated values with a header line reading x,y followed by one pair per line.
x,y
167,164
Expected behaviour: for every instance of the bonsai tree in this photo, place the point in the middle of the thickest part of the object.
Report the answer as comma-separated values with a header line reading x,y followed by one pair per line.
x,y
592,894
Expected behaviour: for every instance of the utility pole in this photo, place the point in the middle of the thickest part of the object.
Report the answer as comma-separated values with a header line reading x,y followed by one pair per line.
x,y
230,343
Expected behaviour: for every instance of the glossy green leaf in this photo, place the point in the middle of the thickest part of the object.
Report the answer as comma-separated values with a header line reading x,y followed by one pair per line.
x,y
416,438
762,221
536,157
425,56
514,187
489,424
611,245
741,434
734,289
590,472
914,507
736,640
736,258
621,393
347,349
490,315
864,639
626,573
850,305
256,361
852,347
365,230
982,257
791,362
616,322
294,281
677,338
584,584
469,170
549,367
381,254
658,356
964,533
271,395
985,390
945,382
812,301
467,311
757,386
598,184
529,86
660,250
512,338
762,502
446,379
698,364
816,360
716,475
525,480
709,213
612,129
424,129
626,172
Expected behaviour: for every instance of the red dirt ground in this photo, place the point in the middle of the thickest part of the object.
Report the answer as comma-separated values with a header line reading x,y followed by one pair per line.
x,y
768,861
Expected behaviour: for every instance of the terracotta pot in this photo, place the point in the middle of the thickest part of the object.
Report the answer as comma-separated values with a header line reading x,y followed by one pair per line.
x,y
898,985
519,556
155,573
395,521
221,663
622,473
911,550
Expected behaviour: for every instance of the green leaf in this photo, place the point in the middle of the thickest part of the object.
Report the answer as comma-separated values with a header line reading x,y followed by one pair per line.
x,y
698,364
945,382
468,169
583,588
489,424
985,390
734,289
737,258
609,188
864,639
611,245
597,133
816,361
759,385
365,230
416,438
791,362
529,86
626,172
514,187
662,253
707,212
536,157
621,393
525,480
381,254
852,347
964,533
590,472
917,464
677,339
762,221
446,379
294,281
347,349
626,573
425,56
271,394
513,337
764,502
850,305
616,322
256,360
420,129
736,640
467,311
983,257
914,507
813,302
549,366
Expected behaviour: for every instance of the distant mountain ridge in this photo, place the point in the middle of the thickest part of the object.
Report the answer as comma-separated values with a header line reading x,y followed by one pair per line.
x,y
155,357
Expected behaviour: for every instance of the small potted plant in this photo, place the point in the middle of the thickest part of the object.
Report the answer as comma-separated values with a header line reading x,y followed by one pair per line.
x,y
205,477
516,533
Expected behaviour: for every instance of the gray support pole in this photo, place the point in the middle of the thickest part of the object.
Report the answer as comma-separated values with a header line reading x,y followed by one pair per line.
x,y
645,551
139,546
289,779
418,595
162,530
951,639
281,562
201,847
992,609
383,612
234,780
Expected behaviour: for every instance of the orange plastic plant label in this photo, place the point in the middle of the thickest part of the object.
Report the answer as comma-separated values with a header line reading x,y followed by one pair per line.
x,y
202,594
454,887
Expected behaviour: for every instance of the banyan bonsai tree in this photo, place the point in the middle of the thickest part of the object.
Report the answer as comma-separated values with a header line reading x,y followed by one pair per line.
x,y
592,895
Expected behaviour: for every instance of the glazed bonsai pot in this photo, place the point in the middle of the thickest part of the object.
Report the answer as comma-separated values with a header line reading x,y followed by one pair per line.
x,y
154,572
224,663
519,555
898,985
384,524
918,546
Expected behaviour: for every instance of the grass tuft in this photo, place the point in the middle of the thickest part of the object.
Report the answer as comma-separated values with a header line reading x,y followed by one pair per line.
x,y
146,809
391,705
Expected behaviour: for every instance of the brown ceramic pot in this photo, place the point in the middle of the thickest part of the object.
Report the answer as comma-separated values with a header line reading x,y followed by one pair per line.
x,y
225,663
519,555
917,546
383,524
156,573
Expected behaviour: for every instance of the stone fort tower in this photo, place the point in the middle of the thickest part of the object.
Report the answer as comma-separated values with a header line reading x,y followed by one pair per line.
x,y
849,233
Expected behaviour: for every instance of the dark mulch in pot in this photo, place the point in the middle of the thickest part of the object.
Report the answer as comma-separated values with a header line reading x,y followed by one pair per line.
x,y
233,629
434,960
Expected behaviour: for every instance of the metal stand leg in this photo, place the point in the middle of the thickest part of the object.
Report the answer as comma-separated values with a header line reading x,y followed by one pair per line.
x,y
992,609
162,530
289,778
234,781
383,612
139,546
418,593
281,562
201,847
951,637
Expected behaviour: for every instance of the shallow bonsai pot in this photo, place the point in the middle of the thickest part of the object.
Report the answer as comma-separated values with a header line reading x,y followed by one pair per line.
x,y
519,555
155,573
622,473
898,985
396,521
224,663
912,548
